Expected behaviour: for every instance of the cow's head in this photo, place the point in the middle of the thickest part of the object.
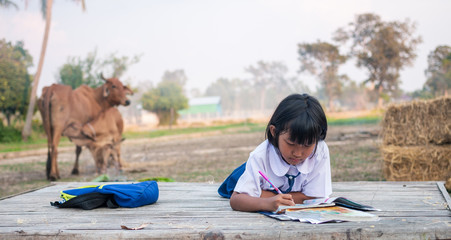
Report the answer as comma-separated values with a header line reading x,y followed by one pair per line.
x,y
106,154
115,92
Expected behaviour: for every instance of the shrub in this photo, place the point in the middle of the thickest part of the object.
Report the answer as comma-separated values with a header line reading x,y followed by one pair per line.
x,y
9,134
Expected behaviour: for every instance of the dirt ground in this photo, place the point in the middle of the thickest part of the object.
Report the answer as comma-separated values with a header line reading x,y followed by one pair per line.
x,y
205,157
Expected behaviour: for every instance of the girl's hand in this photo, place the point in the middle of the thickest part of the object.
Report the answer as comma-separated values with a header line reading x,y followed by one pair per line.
x,y
279,200
267,202
298,197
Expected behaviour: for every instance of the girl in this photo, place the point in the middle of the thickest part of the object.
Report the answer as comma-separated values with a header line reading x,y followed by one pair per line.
x,y
294,157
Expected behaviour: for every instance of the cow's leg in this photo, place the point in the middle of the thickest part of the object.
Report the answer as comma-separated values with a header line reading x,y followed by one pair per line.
x,y
98,158
114,160
77,155
99,166
104,165
54,173
48,165
49,143
52,167
121,162
104,162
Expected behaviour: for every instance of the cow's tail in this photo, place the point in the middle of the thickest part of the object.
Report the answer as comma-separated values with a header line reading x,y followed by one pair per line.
x,y
47,121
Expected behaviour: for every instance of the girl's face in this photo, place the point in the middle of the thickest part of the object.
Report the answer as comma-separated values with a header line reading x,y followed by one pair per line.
x,y
292,153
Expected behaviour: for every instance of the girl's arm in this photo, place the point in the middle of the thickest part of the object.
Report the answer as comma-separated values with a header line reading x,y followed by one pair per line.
x,y
246,203
298,197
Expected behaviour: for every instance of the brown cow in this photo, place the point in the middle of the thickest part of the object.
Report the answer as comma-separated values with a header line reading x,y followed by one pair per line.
x,y
103,137
64,110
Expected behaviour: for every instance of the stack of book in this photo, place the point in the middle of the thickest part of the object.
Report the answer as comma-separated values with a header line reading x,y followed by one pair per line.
x,y
321,210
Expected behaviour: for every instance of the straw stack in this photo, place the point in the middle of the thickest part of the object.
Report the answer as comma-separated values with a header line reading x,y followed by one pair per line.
x,y
416,141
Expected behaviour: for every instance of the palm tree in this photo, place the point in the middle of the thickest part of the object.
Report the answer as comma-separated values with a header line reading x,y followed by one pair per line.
x,y
8,3
47,13
46,7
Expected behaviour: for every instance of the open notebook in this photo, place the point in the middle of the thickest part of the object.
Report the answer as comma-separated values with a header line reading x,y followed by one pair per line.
x,y
321,210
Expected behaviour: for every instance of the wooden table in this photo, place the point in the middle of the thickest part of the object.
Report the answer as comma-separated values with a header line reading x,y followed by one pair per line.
x,y
410,210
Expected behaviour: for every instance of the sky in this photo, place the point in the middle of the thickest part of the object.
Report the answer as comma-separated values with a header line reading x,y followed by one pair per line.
x,y
211,39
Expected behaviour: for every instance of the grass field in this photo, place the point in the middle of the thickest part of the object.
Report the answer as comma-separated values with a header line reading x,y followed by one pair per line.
x,y
40,141
206,154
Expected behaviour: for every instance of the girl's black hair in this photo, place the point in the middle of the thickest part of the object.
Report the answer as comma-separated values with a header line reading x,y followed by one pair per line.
x,y
301,115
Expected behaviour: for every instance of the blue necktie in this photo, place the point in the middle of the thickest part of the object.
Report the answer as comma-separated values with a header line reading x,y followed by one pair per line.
x,y
290,181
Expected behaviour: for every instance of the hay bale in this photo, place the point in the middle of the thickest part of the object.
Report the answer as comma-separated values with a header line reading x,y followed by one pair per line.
x,y
418,123
417,163
448,185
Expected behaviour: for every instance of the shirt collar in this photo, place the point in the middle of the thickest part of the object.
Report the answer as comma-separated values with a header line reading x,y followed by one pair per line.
x,y
280,167
307,165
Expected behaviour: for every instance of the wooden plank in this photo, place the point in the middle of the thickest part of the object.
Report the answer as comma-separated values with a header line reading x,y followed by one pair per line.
x,y
445,194
410,210
275,230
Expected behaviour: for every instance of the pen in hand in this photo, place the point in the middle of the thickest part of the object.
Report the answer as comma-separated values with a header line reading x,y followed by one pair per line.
x,y
266,178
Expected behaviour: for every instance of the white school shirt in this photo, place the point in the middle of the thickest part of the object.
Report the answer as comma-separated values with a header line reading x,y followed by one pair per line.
x,y
314,180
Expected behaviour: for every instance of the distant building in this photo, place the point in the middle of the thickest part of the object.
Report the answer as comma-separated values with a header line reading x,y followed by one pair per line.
x,y
203,108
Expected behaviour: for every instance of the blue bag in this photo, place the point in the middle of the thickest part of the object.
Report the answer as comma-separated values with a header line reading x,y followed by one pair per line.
x,y
110,195
227,187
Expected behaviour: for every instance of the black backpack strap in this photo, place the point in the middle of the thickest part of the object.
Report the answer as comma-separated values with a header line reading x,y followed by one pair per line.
x,y
111,203
86,201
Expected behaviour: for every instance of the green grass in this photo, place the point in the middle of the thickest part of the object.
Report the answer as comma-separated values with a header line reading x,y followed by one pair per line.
x,y
251,127
23,187
199,176
21,167
32,144
354,121
356,163
27,167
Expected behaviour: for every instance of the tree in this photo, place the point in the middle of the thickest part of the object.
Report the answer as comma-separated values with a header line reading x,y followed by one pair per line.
x,y
323,60
118,65
423,93
8,4
14,78
267,75
354,96
77,71
438,72
292,84
176,76
46,8
165,100
383,48
71,74
233,93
